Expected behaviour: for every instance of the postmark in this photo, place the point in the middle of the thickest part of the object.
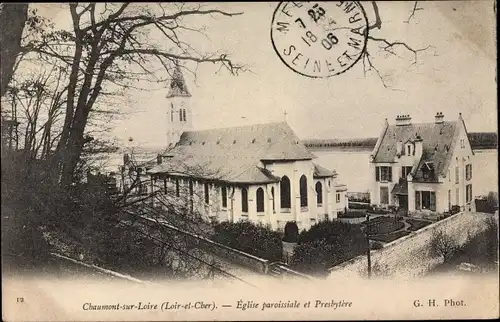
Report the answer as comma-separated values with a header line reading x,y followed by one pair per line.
x,y
319,39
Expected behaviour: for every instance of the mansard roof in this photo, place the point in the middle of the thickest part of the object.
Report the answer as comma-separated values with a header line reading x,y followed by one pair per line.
x,y
438,141
235,154
178,87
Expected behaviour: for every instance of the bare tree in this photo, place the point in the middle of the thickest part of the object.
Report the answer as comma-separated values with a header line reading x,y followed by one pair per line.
x,y
443,245
13,17
106,42
37,102
384,44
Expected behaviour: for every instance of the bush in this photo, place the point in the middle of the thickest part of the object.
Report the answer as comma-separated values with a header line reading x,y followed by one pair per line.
x,y
353,205
354,214
254,239
315,257
376,245
454,210
326,244
488,204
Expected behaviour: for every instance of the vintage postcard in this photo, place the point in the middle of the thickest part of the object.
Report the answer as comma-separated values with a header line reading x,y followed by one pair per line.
x,y
302,160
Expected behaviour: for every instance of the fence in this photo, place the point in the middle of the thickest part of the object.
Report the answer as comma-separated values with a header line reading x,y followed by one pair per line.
x,y
411,256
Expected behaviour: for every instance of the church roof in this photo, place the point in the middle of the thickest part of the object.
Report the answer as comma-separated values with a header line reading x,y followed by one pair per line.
x,y
438,141
235,154
321,172
178,87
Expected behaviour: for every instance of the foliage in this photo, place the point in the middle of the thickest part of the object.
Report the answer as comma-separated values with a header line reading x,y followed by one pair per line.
x,y
492,201
315,257
327,244
375,245
454,209
354,214
482,249
250,238
359,205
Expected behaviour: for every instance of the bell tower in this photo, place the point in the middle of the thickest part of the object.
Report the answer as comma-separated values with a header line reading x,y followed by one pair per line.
x,y
179,108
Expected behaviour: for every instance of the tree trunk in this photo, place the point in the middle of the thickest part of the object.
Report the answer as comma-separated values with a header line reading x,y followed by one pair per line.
x,y
12,20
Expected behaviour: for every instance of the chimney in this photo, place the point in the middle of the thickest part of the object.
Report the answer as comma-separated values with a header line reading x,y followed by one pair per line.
x,y
158,159
439,118
402,120
419,147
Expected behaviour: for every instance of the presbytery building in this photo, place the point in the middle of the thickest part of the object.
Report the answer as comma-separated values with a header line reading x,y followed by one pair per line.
x,y
422,168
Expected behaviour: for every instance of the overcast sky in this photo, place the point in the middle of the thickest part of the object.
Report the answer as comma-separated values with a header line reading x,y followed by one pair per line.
x,y
456,74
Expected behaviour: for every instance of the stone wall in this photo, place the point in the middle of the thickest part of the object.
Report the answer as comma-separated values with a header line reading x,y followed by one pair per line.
x,y
410,256
248,261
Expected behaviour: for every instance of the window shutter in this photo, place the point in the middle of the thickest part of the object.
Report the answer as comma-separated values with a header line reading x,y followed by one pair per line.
x,y
417,200
433,201
389,174
377,174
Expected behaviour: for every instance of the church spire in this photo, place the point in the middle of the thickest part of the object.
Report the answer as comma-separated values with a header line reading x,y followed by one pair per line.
x,y
178,86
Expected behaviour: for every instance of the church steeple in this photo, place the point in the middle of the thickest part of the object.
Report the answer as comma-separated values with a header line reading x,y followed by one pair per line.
x,y
178,110
178,86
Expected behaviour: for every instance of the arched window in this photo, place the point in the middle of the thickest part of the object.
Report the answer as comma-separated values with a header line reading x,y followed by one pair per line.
x,y
244,199
224,197
319,193
285,196
272,194
260,200
303,191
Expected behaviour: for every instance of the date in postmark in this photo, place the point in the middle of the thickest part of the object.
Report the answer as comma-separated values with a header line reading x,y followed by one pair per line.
x,y
319,39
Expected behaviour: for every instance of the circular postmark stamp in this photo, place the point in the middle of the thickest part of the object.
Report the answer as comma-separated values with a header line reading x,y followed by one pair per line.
x,y
319,39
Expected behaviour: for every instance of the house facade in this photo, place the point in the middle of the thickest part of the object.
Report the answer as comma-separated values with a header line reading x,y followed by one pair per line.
x,y
261,173
423,167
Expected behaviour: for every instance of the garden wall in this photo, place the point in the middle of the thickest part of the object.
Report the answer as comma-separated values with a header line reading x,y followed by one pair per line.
x,y
252,263
410,256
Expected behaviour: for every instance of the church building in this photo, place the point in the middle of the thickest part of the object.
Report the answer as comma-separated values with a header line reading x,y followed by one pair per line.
x,y
262,172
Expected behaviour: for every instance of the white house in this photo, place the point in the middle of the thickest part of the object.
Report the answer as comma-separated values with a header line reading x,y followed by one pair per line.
x,y
262,172
425,167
